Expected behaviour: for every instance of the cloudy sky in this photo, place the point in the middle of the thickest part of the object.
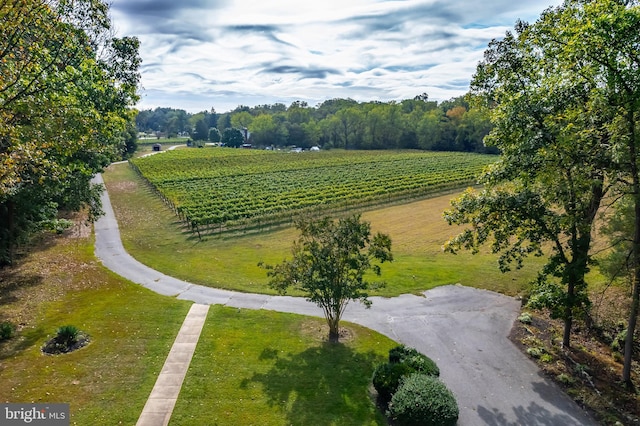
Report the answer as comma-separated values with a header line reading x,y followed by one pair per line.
x,y
199,54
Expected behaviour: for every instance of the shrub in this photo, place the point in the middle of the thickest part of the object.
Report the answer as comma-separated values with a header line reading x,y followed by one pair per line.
x,y
67,339
565,379
67,335
6,330
386,379
423,400
525,318
417,361
535,352
403,361
400,352
546,358
618,342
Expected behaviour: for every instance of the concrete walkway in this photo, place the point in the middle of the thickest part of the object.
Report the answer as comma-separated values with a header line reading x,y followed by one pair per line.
x,y
464,330
159,407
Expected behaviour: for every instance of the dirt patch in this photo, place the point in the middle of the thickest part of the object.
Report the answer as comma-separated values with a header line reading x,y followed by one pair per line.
x,y
55,347
320,332
124,186
81,228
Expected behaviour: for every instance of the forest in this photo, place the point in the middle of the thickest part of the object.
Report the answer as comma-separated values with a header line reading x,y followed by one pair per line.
x,y
417,123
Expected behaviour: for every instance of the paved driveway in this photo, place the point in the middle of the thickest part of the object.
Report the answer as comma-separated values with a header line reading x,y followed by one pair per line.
x,y
463,329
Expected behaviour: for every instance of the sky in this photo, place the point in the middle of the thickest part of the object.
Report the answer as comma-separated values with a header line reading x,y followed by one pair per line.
x,y
203,54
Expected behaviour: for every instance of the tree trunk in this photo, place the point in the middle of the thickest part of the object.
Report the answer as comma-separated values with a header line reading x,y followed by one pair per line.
x,y
635,301
568,316
334,329
631,328
7,232
633,315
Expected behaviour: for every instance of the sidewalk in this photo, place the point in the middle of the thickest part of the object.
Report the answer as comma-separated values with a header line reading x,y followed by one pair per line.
x,y
159,407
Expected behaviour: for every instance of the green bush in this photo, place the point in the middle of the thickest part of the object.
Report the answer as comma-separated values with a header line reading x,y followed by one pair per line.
x,y
67,335
618,342
403,361
535,352
525,318
386,379
417,361
6,330
565,379
423,400
67,339
400,352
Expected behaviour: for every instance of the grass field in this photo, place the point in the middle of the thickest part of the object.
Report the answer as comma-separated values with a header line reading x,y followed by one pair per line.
x,y
241,367
162,141
153,235
265,368
131,331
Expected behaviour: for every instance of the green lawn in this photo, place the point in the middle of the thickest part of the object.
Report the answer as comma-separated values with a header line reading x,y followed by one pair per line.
x,y
245,363
131,331
266,368
153,235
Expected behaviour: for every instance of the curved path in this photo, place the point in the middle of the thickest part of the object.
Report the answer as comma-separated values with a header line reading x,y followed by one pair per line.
x,y
463,329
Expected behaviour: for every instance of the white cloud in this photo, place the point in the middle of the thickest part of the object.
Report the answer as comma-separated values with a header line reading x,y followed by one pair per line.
x,y
199,53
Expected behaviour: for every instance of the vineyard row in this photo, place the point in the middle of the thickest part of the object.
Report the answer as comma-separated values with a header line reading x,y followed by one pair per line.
x,y
215,190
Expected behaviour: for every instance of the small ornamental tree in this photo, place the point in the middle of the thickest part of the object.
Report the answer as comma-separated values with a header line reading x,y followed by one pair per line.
x,y
329,262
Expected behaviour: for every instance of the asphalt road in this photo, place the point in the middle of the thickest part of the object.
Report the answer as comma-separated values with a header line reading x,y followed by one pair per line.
x,y
463,329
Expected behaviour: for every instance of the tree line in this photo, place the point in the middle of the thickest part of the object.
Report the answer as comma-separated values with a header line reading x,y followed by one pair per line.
x,y
416,123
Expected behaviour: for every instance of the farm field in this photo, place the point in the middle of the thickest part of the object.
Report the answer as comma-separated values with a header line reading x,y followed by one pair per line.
x,y
153,234
219,189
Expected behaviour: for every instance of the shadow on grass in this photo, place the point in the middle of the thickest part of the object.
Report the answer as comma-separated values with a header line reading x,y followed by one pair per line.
x,y
323,385
11,282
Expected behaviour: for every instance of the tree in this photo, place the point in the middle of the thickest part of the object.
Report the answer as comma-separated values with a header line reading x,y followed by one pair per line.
x,y
130,136
232,138
214,135
66,88
241,120
329,262
350,122
601,38
430,129
263,130
201,132
554,170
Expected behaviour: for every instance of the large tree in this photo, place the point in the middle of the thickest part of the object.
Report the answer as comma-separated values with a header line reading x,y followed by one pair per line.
x,y
603,35
66,85
329,263
550,124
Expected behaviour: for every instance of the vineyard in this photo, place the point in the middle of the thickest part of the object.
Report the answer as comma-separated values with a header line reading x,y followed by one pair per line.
x,y
220,189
